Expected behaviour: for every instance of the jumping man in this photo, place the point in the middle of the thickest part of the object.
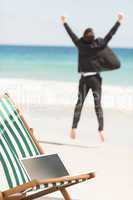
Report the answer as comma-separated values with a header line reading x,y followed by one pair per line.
x,y
88,46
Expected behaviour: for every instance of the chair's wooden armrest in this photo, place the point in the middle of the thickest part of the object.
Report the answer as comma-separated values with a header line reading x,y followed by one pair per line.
x,y
8,194
67,178
17,196
20,188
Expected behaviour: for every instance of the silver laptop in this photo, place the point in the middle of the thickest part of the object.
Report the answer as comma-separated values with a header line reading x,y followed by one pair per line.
x,y
44,167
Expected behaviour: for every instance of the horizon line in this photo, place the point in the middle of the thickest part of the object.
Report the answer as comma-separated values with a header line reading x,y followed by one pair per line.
x,y
56,45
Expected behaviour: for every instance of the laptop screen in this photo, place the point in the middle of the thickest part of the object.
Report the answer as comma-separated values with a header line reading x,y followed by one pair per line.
x,y
44,167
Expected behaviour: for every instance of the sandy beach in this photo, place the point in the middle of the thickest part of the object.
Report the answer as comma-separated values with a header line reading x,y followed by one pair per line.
x,y
112,161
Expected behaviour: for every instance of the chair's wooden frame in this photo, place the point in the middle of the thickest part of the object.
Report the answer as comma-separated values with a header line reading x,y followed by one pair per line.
x,y
19,192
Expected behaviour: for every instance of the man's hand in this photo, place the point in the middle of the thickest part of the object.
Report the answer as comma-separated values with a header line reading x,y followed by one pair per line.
x,y
63,19
120,17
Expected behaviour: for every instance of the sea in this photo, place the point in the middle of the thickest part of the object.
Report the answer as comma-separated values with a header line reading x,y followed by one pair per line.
x,y
51,73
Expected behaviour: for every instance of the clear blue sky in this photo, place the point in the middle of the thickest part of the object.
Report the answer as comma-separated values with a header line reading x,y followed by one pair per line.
x,y
37,21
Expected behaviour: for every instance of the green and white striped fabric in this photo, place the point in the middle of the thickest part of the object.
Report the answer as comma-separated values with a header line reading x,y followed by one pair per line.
x,y
12,172
15,131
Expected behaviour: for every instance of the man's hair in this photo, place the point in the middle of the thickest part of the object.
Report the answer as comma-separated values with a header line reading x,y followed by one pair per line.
x,y
88,30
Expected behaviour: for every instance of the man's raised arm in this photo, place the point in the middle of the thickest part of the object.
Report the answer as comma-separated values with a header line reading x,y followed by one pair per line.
x,y
73,36
109,36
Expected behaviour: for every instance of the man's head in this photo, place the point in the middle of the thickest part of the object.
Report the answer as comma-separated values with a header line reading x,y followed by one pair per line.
x,y
89,35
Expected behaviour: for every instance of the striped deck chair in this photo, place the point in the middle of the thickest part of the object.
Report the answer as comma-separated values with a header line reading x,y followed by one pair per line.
x,y
17,141
15,183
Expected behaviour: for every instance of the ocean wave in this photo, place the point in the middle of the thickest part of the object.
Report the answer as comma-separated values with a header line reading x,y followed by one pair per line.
x,y
59,93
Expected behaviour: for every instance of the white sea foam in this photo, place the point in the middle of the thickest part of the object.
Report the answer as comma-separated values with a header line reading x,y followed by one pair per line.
x,y
41,93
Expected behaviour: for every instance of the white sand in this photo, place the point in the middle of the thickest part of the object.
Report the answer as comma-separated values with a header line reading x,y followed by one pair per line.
x,y
112,161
